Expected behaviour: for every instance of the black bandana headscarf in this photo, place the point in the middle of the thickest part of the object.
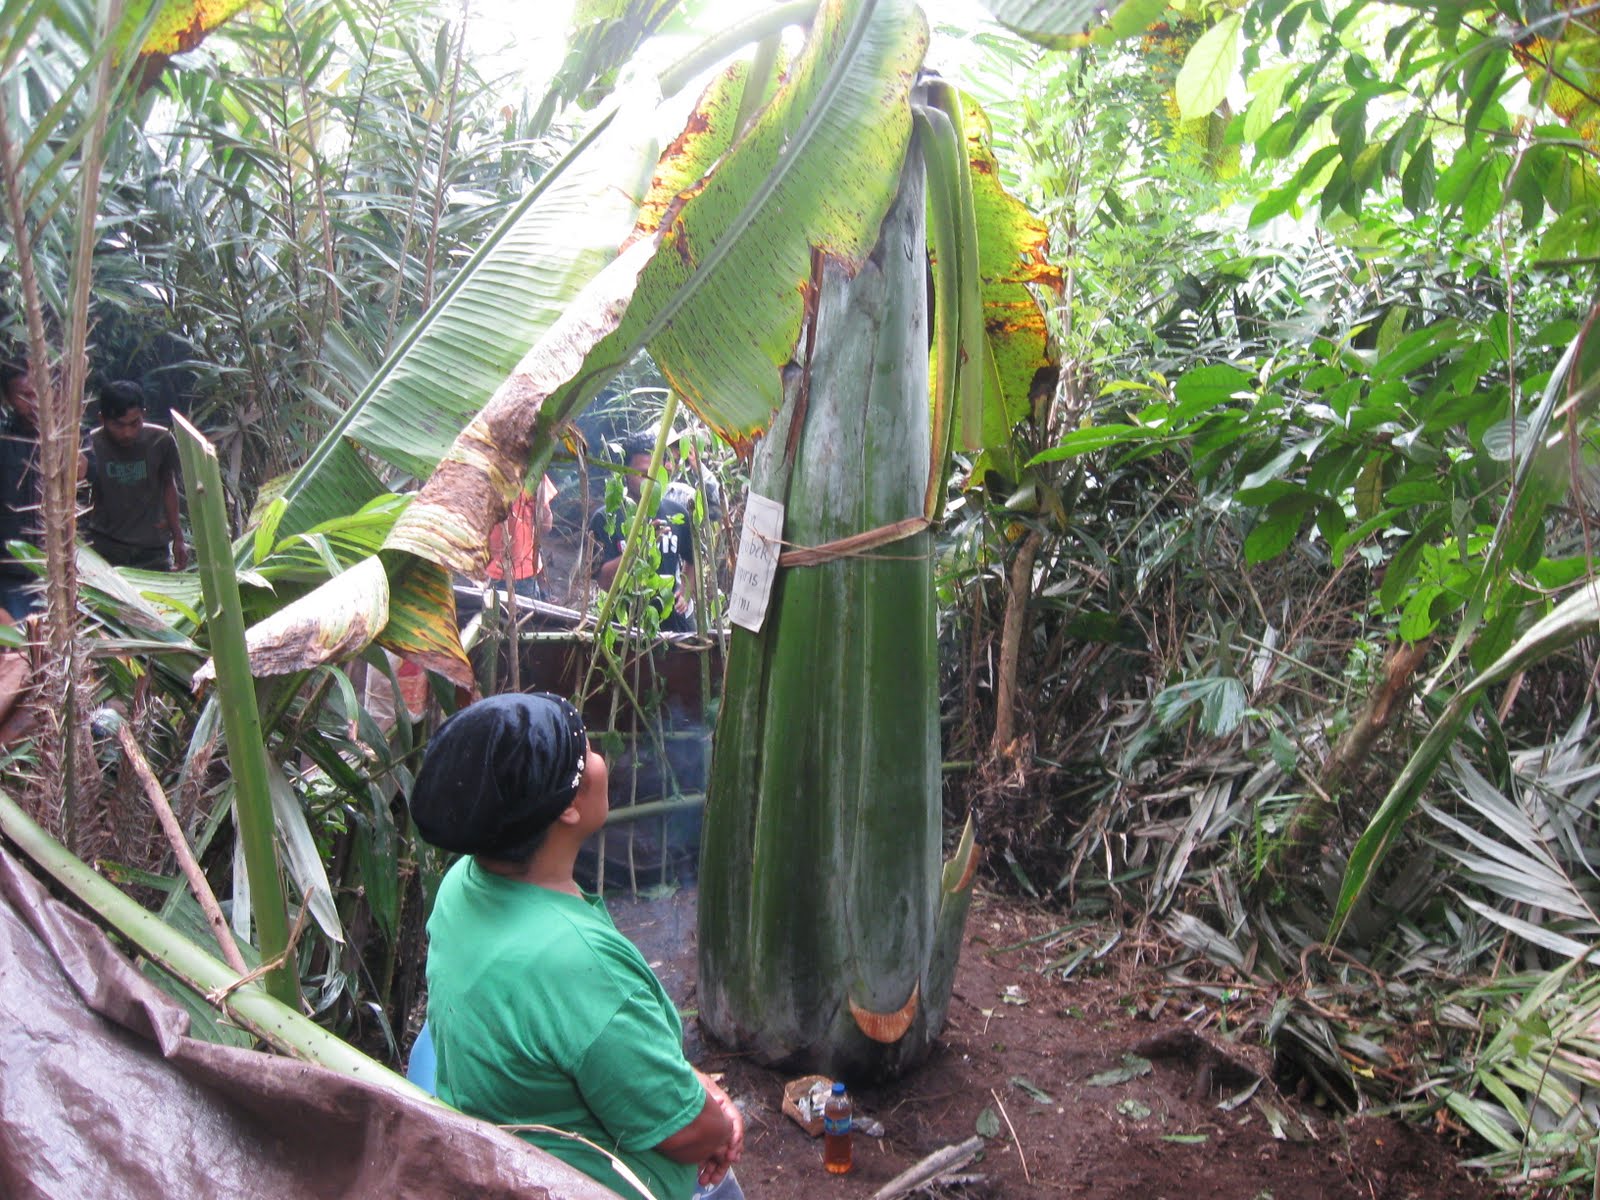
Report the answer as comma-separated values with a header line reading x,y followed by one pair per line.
x,y
497,774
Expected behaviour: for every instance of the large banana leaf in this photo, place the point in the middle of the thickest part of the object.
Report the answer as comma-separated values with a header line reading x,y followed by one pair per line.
x,y
815,172
1012,256
501,302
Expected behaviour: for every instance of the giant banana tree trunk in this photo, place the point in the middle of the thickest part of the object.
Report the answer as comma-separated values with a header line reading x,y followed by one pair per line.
x,y
820,895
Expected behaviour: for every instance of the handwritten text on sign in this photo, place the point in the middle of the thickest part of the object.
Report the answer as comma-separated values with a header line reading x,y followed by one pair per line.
x,y
760,542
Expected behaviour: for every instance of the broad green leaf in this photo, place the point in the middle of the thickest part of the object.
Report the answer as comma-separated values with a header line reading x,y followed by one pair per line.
x,y
1416,619
1209,68
1206,388
1574,234
1417,181
1090,439
1267,86
1276,531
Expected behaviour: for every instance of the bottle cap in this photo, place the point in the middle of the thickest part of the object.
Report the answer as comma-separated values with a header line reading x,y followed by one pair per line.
x,y
838,1089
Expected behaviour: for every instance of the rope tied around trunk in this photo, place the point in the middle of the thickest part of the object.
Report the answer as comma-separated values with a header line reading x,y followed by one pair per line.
x,y
855,546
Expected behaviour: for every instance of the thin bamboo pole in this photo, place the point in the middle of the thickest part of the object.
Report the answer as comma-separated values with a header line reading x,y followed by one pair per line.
x,y
203,894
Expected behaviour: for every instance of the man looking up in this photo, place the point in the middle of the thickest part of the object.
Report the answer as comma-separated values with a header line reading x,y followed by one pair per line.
x,y
19,484
674,531
541,1013
133,473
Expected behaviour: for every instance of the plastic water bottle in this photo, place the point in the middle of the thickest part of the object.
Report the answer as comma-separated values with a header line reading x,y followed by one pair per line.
x,y
836,1131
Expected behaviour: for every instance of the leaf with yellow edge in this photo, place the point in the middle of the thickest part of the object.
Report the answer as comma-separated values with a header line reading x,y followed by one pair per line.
x,y
181,25
422,622
705,138
1013,259
815,172
338,620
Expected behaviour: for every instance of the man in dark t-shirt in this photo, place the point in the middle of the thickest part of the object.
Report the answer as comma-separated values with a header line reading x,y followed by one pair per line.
x,y
133,472
674,530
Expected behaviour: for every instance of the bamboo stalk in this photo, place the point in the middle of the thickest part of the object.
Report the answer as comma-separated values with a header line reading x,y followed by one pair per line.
x,y
203,894
241,719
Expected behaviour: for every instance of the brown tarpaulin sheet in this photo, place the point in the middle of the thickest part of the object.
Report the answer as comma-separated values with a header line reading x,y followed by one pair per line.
x,y
104,1096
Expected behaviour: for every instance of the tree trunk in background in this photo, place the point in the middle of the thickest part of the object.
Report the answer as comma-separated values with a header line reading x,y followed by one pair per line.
x,y
1017,597
1350,753
819,895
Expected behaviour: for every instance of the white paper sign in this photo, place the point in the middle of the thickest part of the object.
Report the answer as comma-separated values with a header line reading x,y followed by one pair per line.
x,y
760,542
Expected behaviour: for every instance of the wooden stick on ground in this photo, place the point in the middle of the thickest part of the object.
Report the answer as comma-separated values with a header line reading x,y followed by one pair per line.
x,y
191,869
1015,1140
937,1163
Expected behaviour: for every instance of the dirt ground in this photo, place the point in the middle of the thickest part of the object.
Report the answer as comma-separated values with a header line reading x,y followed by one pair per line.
x,y
1040,1066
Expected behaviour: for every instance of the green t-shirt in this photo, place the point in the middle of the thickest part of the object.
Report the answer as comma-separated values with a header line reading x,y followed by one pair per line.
x,y
543,1014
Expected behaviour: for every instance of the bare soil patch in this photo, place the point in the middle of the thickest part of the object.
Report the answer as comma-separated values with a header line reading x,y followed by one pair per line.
x,y
1076,1116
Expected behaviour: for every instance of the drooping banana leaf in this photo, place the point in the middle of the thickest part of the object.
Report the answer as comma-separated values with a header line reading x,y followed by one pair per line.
x,y
1013,263
992,351
501,301
710,285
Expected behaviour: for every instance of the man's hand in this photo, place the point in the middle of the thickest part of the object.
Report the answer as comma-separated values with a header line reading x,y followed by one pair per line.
x,y
180,555
716,1166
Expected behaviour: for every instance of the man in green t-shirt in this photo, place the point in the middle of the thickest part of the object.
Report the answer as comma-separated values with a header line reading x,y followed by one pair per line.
x,y
541,1013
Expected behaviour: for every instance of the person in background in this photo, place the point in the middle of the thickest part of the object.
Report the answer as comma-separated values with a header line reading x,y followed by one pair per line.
x,y
539,1011
19,485
514,543
674,530
133,477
